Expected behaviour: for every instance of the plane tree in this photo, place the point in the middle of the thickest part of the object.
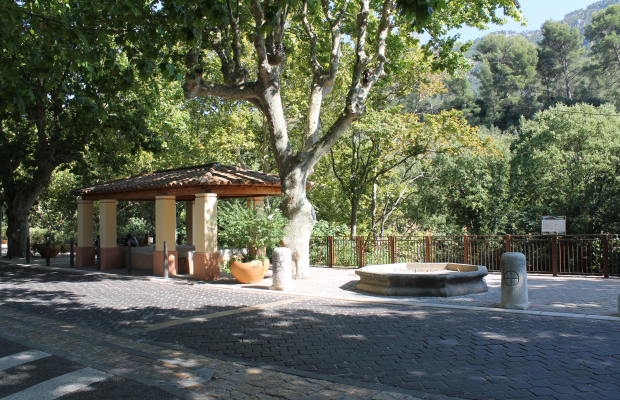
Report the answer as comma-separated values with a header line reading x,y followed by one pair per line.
x,y
61,81
274,32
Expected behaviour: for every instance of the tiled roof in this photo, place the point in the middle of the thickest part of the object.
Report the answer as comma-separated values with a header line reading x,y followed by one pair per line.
x,y
199,175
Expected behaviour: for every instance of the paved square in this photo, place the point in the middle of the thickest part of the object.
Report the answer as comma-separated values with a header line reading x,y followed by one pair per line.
x,y
463,353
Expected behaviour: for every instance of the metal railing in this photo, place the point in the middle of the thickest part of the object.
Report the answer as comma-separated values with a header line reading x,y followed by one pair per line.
x,y
567,254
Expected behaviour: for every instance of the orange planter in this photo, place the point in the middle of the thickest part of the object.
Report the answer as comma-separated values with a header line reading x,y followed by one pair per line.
x,y
250,272
42,249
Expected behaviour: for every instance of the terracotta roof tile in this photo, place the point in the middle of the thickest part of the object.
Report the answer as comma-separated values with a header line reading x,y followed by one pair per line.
x,y
198,175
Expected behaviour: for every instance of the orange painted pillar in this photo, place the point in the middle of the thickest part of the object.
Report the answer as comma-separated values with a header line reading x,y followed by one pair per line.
x,y
85,251
107,233
206,257
165,230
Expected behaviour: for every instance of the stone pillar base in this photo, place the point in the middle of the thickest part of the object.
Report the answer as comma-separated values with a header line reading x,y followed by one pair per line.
x,y
110,258
158,263
206,266
85,256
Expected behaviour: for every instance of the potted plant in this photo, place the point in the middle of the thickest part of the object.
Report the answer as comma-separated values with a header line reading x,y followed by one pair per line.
x,y
42,248
250,232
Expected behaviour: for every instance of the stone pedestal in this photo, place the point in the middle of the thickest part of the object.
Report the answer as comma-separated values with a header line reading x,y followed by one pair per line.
x,y
282,269
514,281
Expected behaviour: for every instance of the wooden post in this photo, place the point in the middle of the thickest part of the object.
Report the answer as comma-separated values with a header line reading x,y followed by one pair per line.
x,y
330,251
606,255
28,249
427,242
47,253
392,244
360,251
507,240
129,267
71,258
554,255
165,259
466,249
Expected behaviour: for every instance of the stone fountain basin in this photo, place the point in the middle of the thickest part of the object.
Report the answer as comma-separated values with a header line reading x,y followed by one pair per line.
x,y
422,279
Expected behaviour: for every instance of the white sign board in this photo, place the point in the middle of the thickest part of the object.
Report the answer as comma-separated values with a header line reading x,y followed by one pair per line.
x,y
553,225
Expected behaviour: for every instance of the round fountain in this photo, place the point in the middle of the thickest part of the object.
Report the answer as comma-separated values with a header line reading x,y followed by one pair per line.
x,y
422,279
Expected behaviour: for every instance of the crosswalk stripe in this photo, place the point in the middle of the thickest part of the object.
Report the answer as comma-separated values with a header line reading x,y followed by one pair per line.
x,y
21,358
61,385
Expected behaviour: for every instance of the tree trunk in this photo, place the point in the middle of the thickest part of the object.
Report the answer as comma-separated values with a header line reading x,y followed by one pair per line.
x,y
17,228
568,92
548,84
374,206
18,204
354,206
529,101
302,218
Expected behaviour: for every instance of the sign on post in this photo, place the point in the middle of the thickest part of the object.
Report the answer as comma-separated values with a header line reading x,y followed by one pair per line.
x,y
554,225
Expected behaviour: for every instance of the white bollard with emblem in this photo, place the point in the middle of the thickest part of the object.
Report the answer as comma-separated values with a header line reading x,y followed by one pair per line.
x,y
514,281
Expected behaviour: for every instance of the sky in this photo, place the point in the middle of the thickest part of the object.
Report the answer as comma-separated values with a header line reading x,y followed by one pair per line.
x,y
536,12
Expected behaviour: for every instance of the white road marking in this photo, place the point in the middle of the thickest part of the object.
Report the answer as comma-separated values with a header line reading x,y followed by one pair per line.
x,y
21,358
61,385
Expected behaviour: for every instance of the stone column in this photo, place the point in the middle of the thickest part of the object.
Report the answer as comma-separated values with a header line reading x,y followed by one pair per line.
x,y
165,230
107,234
206,257
189,222
85,251
255,202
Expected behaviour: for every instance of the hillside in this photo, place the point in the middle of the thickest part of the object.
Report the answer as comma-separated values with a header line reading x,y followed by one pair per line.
x,y
578,18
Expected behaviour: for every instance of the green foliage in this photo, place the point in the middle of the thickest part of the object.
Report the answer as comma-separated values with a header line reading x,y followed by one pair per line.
x,y
55,210
374,165
604,32
471,191
508,79
563,45
137,226
327,228
566,162
250,229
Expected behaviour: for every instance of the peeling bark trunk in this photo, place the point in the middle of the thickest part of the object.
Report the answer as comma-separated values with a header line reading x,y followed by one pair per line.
x,y
302,218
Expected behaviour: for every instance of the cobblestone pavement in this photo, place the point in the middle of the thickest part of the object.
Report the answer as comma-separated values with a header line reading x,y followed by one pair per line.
x,y
181,374
114,302
589,295
455,352
450,352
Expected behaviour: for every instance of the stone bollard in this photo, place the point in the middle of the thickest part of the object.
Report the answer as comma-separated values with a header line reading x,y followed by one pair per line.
x,y
282,269
514,281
